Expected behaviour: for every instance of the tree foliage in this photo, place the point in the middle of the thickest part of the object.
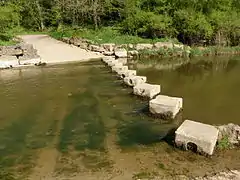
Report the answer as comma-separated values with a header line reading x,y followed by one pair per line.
x,y
191,21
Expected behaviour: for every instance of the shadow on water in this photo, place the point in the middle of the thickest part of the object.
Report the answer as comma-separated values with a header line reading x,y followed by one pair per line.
x,y
143,129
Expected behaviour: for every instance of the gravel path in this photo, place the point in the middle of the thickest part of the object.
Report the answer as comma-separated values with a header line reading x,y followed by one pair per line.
x,y
53,51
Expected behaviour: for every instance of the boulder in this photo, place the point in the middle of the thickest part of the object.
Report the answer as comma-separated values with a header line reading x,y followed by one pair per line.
x,y
108,53
232,131
109,47
134,80
165,106
130,46
120,52
133,53
123,74
166,45
66,40
146,90
143,46
96,48
119,68
83,45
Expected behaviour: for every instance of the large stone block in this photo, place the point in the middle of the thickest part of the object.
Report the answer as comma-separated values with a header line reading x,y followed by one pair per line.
x,y
165,105
120,52
197,136
109,47
134,80
123,74
146,90
109,58
119,68
143,46
123,60
115,63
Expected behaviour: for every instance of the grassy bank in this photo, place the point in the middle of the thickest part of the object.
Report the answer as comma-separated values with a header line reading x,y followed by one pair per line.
x,y
104,35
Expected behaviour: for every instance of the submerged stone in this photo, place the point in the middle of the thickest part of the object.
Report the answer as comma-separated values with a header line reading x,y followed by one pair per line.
x,y
146,90
197,136
162,105
134,80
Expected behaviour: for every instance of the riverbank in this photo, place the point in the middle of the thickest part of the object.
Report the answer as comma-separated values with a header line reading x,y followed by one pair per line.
x,y
164,47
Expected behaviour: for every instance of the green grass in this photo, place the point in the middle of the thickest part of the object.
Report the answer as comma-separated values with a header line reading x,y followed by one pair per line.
x,y
224,143
104,35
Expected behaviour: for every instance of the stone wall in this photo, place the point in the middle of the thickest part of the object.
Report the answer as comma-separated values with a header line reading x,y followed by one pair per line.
x,y
21,54
128,50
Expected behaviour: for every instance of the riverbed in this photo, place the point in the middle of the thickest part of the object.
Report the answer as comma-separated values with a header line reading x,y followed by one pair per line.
x,y
78,121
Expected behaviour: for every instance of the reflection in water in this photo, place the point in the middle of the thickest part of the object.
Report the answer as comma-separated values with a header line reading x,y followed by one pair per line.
x,y
86,113
209,87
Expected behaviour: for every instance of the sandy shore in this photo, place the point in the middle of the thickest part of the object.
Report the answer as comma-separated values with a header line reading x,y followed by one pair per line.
x,y
53,51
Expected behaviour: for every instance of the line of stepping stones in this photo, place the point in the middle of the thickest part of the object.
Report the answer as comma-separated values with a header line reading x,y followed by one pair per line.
x,y
162,105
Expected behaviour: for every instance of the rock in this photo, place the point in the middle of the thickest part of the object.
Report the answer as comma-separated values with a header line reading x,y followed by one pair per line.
x,y
83,45
146,90
197,136
66,40
123,74
108,53
96,48
8,62
109,47
232,131
166,45
123,60
114,63
130,46
120,53
133,53
119,68
165,105
106,59
134,80
178,46
143,46
34,61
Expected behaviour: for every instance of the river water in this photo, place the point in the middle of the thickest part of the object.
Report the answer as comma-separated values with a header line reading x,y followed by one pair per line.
x,y
95,123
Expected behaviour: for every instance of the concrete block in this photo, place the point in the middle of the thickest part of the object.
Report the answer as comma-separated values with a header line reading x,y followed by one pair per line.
x,y
122,60
109,58
123,74
165,105
198,136
119,68
146,90
134,80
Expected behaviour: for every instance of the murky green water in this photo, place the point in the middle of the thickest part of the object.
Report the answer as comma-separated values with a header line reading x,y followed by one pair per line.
x,y
82,108
209,86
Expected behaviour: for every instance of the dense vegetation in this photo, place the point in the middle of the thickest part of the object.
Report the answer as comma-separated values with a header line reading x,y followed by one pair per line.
x,y
209,22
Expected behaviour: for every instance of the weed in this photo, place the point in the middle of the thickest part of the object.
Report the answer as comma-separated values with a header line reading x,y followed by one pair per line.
x,y
224,143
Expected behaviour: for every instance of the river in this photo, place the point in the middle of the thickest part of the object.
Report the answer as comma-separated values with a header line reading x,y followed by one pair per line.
x,y
93,126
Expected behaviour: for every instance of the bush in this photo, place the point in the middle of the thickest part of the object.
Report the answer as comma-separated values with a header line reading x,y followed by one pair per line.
x,y
148,24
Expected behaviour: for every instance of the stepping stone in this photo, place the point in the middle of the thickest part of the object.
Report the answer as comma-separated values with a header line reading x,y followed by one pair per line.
x,y
114,63
106,59
134,80
122,60
198,136
165,105
146,90
127,73
119,68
